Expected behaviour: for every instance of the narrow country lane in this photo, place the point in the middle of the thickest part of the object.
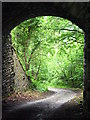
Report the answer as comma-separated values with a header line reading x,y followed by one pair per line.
x,y
43,109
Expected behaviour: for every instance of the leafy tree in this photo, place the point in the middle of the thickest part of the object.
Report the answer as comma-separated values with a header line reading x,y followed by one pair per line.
x,y
50,50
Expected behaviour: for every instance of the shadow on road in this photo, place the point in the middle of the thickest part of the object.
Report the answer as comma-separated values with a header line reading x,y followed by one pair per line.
x,y
67,111
59,106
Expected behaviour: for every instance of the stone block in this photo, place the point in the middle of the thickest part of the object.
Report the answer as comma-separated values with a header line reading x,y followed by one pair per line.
x,y
88,106
88,87
87,55
87,64
88,18
88,96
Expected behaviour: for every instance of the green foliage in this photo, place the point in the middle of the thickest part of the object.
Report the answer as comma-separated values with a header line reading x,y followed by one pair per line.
x,y
50,50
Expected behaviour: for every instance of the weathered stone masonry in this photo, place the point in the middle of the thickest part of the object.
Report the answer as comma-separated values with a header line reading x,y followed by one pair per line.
x,y
7,67
87,64
20,78
14,78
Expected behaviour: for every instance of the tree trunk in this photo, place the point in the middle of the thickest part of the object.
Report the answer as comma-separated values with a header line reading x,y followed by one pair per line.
x,y
37,71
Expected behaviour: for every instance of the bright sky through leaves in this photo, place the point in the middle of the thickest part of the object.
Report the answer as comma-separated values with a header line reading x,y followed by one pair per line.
x,y
50,50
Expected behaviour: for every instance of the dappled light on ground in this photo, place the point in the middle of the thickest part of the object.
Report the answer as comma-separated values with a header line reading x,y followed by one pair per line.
x,y
52,107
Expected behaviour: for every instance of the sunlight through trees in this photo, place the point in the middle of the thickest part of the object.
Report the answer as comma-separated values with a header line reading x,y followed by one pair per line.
x,y
50,50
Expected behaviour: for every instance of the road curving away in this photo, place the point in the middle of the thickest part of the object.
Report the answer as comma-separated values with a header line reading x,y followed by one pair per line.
x,y
41,109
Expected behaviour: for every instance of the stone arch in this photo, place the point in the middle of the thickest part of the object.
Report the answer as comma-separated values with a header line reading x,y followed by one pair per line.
x,y
15,13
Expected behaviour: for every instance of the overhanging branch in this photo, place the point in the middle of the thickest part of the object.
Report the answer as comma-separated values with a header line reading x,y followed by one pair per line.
x,y
66,29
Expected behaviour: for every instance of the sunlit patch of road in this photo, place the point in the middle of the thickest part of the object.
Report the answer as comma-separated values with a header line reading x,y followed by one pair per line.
x,y
41,109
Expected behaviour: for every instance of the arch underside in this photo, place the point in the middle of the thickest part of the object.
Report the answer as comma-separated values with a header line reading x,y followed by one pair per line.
x,y
15,13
